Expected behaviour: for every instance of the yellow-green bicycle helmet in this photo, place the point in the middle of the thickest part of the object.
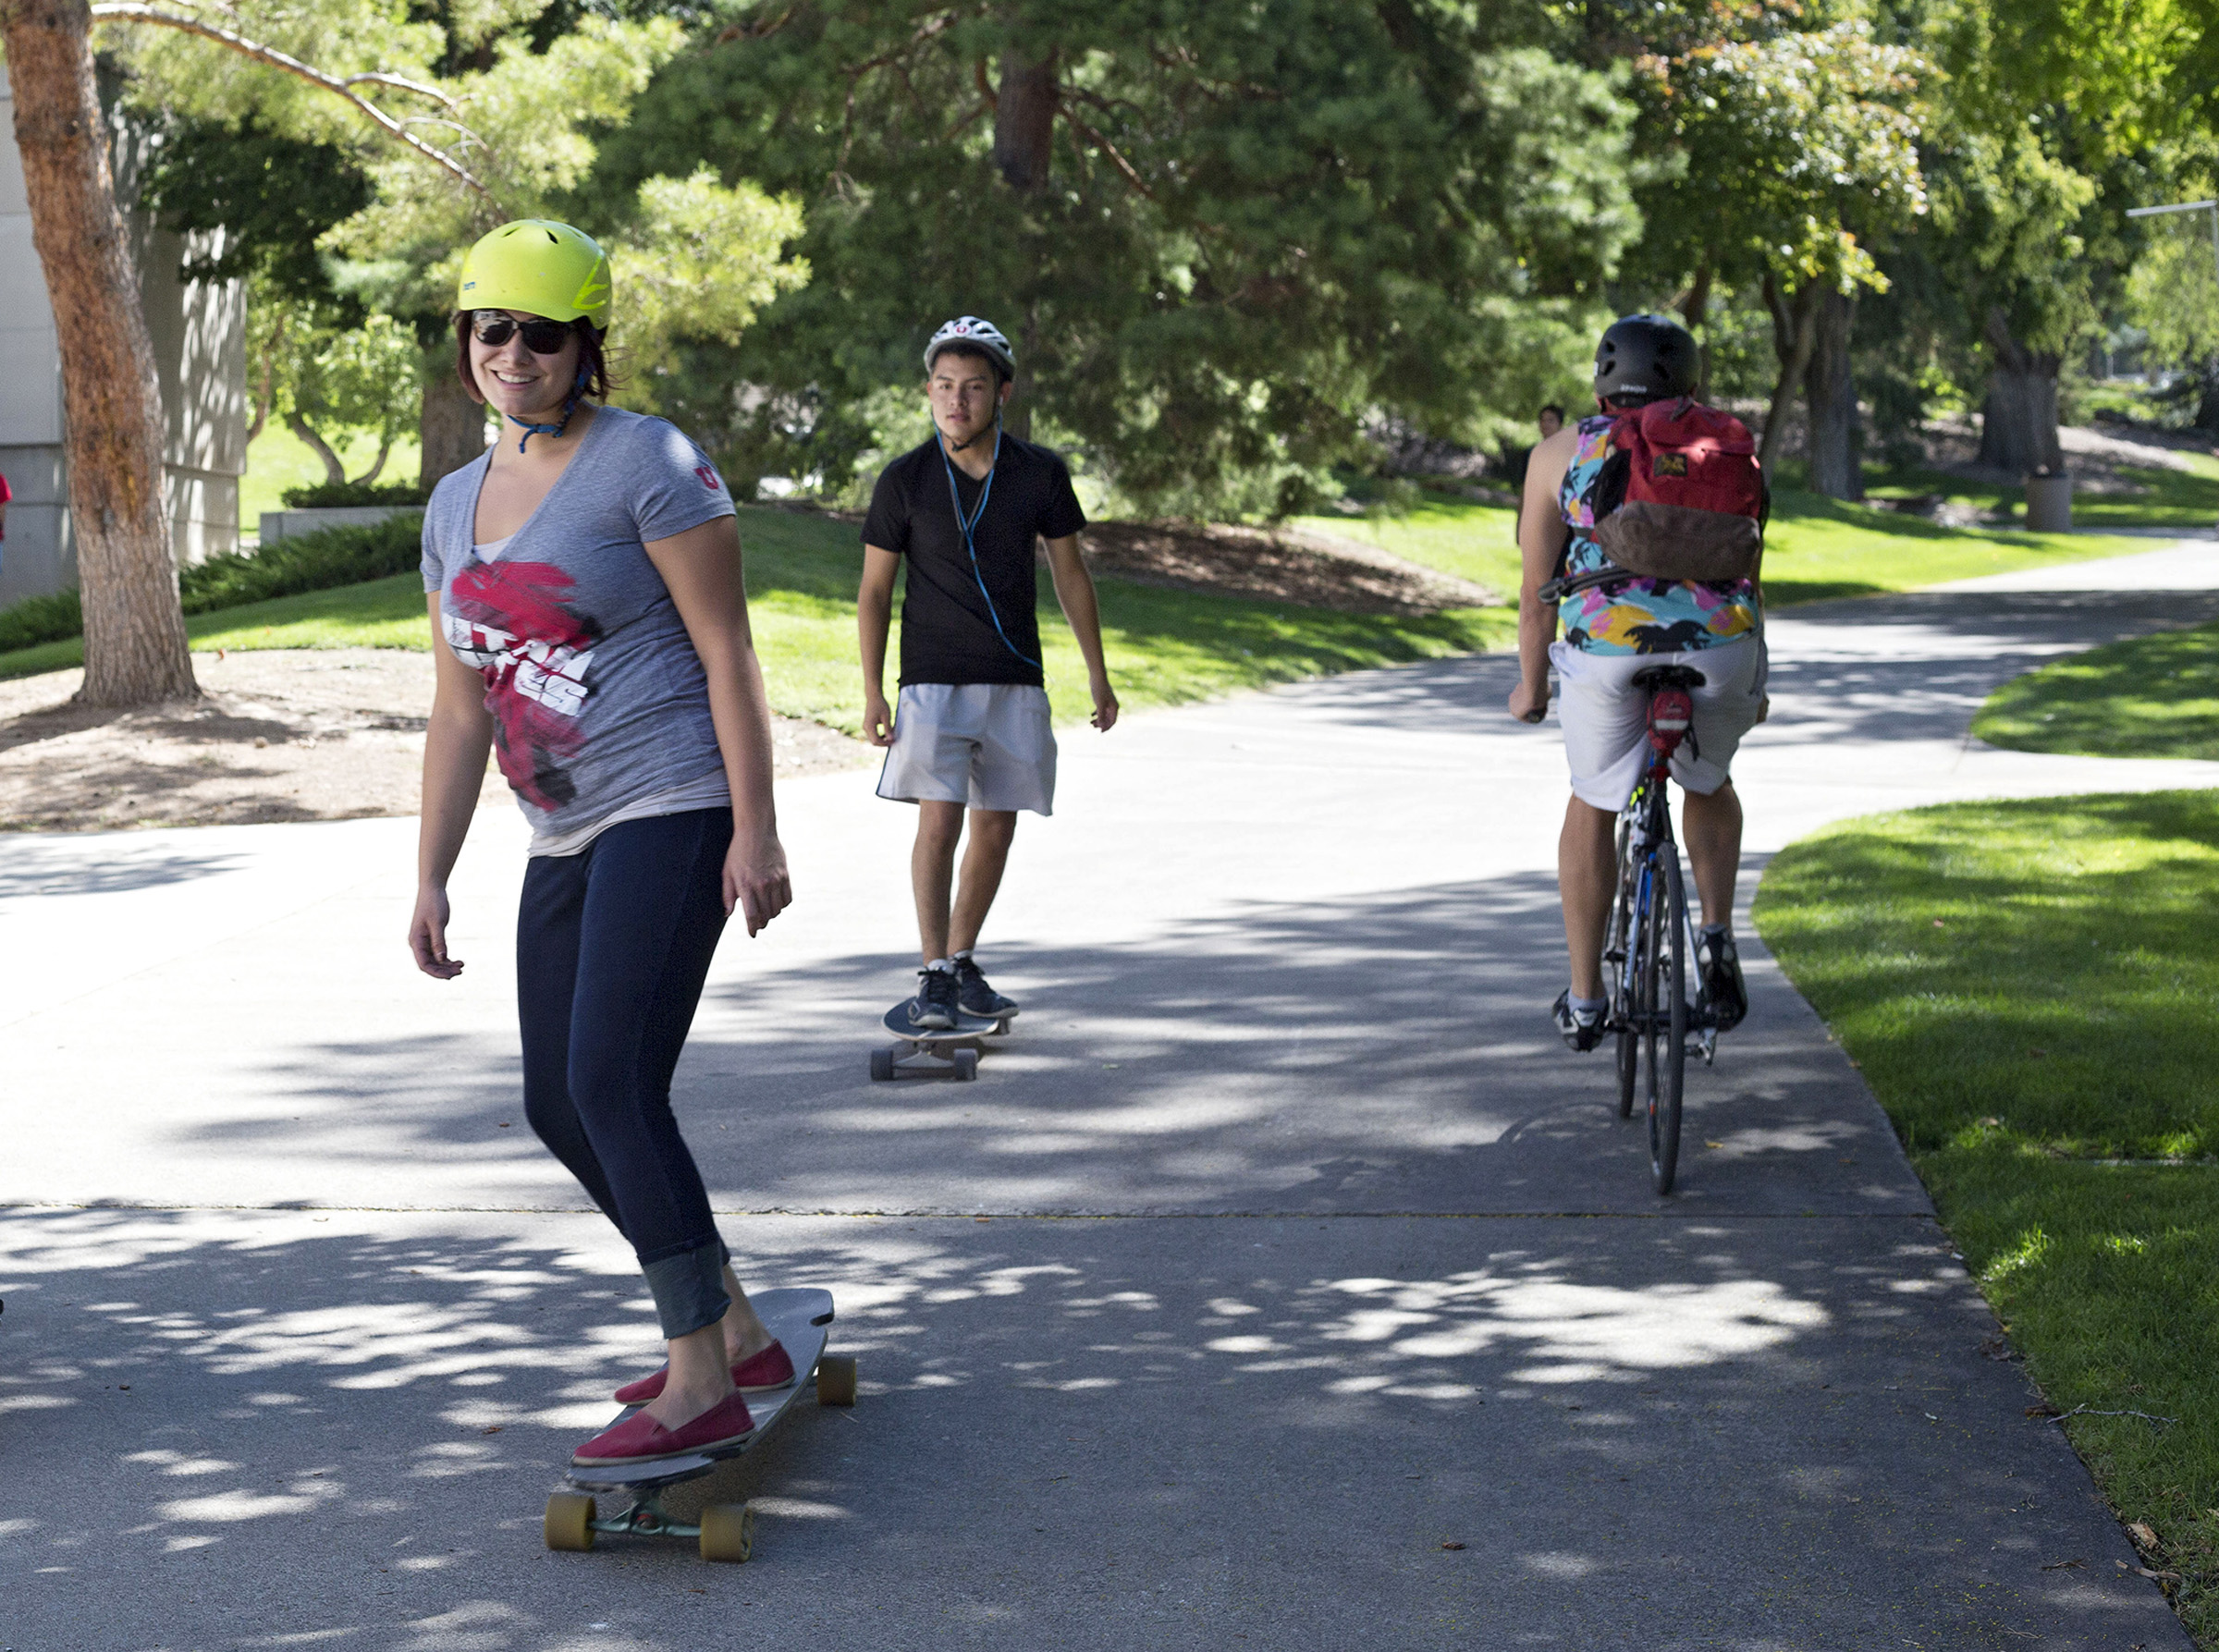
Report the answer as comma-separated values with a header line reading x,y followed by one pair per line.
x,y
538,265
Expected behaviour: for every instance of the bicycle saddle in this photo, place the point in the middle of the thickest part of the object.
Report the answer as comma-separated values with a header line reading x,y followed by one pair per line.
x,y
1669,677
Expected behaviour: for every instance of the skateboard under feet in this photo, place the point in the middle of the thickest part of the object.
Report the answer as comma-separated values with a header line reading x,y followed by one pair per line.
x,y
935,1052
726,1530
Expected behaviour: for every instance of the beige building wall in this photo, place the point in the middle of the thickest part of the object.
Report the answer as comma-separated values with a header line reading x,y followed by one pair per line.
x,y
199,332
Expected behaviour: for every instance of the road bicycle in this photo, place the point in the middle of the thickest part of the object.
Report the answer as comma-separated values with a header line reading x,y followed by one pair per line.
x,y
1651,936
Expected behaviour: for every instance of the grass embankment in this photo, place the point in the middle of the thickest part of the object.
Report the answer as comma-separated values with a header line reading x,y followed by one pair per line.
x,y
1816,547
2148,697
2033,990
1164,646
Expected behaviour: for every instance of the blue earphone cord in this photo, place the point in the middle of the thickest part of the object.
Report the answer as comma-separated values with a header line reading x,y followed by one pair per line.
x,y
971,521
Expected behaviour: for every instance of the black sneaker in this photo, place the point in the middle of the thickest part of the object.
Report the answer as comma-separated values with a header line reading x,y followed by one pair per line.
x,y
1582,1030
974,996
1720,963
934,1007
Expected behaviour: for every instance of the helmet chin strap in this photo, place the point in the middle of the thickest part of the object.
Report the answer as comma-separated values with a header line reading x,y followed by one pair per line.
x,y
977,435
569,407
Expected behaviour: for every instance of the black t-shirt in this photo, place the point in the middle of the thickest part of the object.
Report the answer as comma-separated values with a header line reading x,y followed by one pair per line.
x,y
948,630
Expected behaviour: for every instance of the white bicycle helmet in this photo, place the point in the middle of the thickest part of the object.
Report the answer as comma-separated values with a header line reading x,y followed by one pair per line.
x,y
981,336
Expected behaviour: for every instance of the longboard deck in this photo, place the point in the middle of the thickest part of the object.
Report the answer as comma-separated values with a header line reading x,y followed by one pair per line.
x,y
935,1052
799,1319
896,1021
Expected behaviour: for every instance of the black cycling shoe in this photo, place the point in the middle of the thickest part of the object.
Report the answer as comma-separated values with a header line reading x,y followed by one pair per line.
x,y
1580,1032
1720,963
974,996
934,1007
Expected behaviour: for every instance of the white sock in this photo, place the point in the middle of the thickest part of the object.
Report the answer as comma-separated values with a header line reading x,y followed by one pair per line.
x,y
1588,1007
945,965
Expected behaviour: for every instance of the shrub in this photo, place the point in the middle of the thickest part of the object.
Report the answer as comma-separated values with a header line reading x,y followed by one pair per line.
x,y
318,561
40,620
322,495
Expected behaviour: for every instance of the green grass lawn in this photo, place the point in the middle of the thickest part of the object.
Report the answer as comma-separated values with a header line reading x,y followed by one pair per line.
x,y
2169,498
1164,646
2153,696
1816,547
2031,988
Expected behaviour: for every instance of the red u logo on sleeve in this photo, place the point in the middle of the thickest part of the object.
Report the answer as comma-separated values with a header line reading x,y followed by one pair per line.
x,y
708,477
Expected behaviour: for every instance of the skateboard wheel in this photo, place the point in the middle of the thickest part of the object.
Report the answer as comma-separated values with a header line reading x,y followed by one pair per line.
x,y
728,1532
882,1064
835,1380
570,1522
967,1064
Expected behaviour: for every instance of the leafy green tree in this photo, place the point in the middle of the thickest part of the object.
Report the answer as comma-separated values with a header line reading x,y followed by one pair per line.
x,y
1781,154
1219,236
2054,112
458,116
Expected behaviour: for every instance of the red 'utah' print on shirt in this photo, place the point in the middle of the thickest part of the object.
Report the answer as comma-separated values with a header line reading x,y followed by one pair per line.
x,y
510,622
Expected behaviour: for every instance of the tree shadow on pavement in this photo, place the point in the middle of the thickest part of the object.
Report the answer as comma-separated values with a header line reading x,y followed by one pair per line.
x,y
1381,1053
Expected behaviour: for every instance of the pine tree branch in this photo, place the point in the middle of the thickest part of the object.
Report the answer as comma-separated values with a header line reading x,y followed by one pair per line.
x,y
127,11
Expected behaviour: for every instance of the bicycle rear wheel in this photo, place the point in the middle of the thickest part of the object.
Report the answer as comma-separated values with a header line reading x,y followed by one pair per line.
x,y
1619,954
1668,1024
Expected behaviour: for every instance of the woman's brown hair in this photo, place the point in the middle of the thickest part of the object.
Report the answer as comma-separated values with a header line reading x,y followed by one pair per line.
x,y
591,356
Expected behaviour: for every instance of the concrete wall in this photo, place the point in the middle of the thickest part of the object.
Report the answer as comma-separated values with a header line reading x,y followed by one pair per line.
x,y
199,332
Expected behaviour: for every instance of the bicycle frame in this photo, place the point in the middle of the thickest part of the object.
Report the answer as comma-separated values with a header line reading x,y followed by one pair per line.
x,y
1651,935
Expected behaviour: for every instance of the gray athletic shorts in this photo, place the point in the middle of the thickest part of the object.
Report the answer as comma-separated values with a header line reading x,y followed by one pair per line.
x,y
1605,718
985,744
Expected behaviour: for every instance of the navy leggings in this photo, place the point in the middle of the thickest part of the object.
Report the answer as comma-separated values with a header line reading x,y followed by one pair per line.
x,y
612,947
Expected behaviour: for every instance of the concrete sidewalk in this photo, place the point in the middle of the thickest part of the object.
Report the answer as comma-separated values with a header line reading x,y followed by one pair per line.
x,y
1282,1246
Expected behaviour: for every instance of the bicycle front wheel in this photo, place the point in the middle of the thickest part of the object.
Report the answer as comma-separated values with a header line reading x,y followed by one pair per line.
x,y
1668,1038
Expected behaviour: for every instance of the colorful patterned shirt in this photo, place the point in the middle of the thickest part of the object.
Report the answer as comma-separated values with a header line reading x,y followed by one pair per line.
x,y
1640,615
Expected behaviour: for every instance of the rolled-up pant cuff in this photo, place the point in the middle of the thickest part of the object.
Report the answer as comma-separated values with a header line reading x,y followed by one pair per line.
x,y
688,1289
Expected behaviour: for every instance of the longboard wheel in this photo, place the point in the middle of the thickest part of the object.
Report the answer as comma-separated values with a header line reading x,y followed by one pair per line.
x,y
882,1064
835,1380
570,1522
967,1064
728,1532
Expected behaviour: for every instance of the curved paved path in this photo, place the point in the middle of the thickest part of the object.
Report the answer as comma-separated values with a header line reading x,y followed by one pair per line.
x,y
1284,1281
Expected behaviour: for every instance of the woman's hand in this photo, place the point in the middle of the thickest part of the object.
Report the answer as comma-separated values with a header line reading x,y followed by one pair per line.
x,y
755,882
1529,703
427,935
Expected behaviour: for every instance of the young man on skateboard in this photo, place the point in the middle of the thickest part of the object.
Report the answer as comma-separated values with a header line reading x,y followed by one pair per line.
x,y
970,729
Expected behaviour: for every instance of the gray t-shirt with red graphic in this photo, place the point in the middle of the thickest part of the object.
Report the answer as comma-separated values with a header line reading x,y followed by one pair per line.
x,y
597,697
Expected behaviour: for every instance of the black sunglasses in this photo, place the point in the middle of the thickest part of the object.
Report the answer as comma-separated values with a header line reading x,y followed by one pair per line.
x,y
494,328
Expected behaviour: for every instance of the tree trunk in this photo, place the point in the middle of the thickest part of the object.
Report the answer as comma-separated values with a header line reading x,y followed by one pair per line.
x,y
2207,398
377,465
1794,331
1835,467
453,426
1025,120
1693,305
2019,426
135,651
334,471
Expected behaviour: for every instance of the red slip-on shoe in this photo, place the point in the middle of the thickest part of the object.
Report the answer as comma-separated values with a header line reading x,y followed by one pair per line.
x,y
760,1371
640,1438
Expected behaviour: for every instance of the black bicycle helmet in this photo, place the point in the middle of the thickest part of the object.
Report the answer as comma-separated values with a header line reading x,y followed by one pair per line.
x,y
1647,356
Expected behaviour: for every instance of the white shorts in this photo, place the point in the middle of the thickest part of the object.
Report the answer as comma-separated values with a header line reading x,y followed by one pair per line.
x,y
985,744
1605,718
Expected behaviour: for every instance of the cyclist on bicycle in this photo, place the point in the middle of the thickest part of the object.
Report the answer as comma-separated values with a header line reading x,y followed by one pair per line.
x,y
1612,631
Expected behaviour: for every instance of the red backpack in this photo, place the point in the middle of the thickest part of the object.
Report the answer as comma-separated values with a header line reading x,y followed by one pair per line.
x,y
1681,496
